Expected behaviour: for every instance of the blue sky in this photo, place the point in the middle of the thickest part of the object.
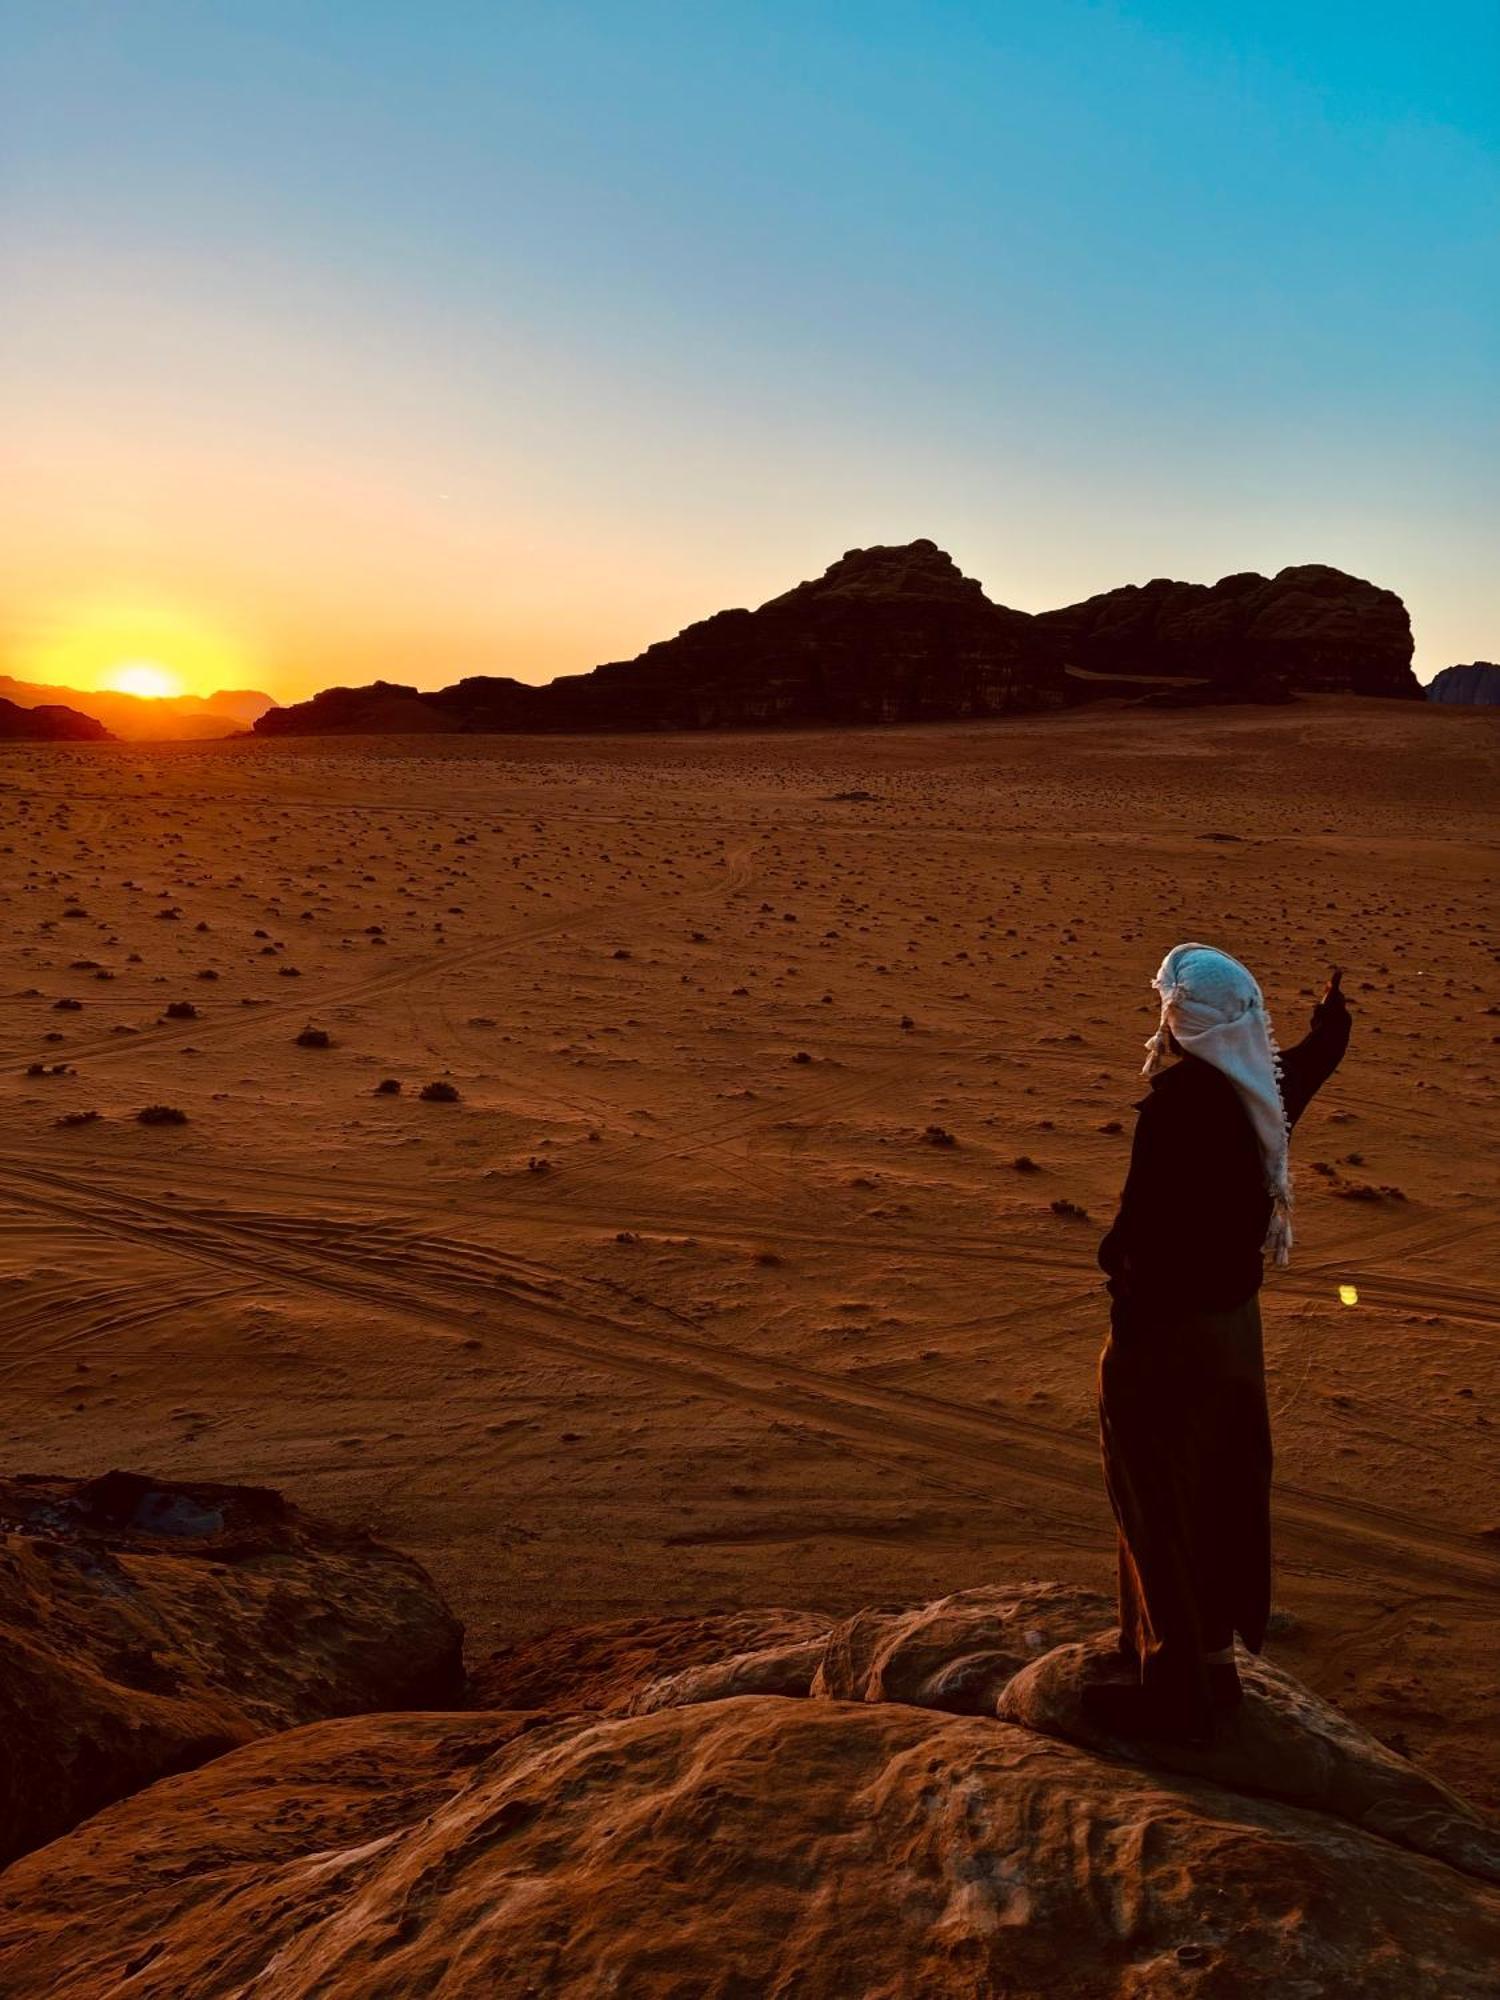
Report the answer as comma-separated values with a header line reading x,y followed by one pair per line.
x,y
423,339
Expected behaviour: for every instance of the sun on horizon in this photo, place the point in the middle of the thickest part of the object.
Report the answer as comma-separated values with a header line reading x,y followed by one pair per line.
x,y
147,678
134,643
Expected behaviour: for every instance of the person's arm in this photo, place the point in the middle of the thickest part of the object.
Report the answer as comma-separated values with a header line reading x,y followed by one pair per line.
x,y
1308,1066
1126,1230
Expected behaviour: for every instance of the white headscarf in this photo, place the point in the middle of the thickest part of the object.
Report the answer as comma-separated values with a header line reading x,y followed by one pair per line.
x,y
1212,1006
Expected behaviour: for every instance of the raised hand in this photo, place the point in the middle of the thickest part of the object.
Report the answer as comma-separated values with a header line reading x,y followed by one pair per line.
x,y
1332,999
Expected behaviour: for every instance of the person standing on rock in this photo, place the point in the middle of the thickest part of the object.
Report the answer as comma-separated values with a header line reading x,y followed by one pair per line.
x,y
1184,1427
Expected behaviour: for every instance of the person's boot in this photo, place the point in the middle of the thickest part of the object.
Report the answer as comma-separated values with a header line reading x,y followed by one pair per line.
x,y
1126,1708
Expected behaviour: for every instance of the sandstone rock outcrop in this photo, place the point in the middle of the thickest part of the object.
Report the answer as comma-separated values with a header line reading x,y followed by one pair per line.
x,y
900,634
1284,1743
885,635
1310,629
959,1652
751,1846
48,722
382,709
606,1667
1476,685
748,1844
147,1626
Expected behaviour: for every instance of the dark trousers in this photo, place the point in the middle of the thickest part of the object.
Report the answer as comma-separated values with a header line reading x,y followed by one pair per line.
x,y
1186,1440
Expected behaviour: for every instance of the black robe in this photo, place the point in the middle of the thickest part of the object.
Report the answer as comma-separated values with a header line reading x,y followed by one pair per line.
x,y
1184,1428
1195,1208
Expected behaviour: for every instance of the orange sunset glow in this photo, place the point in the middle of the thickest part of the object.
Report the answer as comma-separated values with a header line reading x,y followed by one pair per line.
x,y
147,678
135,645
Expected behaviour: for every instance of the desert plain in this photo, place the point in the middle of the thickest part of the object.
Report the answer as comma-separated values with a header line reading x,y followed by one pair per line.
x,y
748,1257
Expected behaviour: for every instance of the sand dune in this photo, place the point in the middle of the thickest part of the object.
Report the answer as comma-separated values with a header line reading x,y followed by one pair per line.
x,y
719,1283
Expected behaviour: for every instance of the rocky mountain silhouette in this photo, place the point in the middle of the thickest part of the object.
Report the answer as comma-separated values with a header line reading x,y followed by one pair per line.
x,y
900,634
1308,630
49,722
1475,686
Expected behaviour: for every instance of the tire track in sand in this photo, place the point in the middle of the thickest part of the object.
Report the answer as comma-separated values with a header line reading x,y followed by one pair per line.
x,y
520,1205
98,1326
564,1318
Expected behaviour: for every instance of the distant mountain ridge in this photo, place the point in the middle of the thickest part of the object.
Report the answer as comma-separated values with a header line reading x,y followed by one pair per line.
x,y
48,722
900,634
133,717
1476,685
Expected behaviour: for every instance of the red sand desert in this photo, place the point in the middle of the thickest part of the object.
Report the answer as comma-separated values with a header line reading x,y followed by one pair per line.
x,y
720,1282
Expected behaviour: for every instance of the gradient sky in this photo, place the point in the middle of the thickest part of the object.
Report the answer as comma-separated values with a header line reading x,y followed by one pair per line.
x,y
345,338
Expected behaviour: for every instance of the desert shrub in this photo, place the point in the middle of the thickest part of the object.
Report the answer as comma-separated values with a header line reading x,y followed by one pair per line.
x,y
439,1092
1024,1164
315,1038
388,1086
937,1135
161,1114
180,1010
1070,1211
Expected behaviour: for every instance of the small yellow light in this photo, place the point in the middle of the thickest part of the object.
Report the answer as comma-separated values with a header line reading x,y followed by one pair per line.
x,y
1348,1296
